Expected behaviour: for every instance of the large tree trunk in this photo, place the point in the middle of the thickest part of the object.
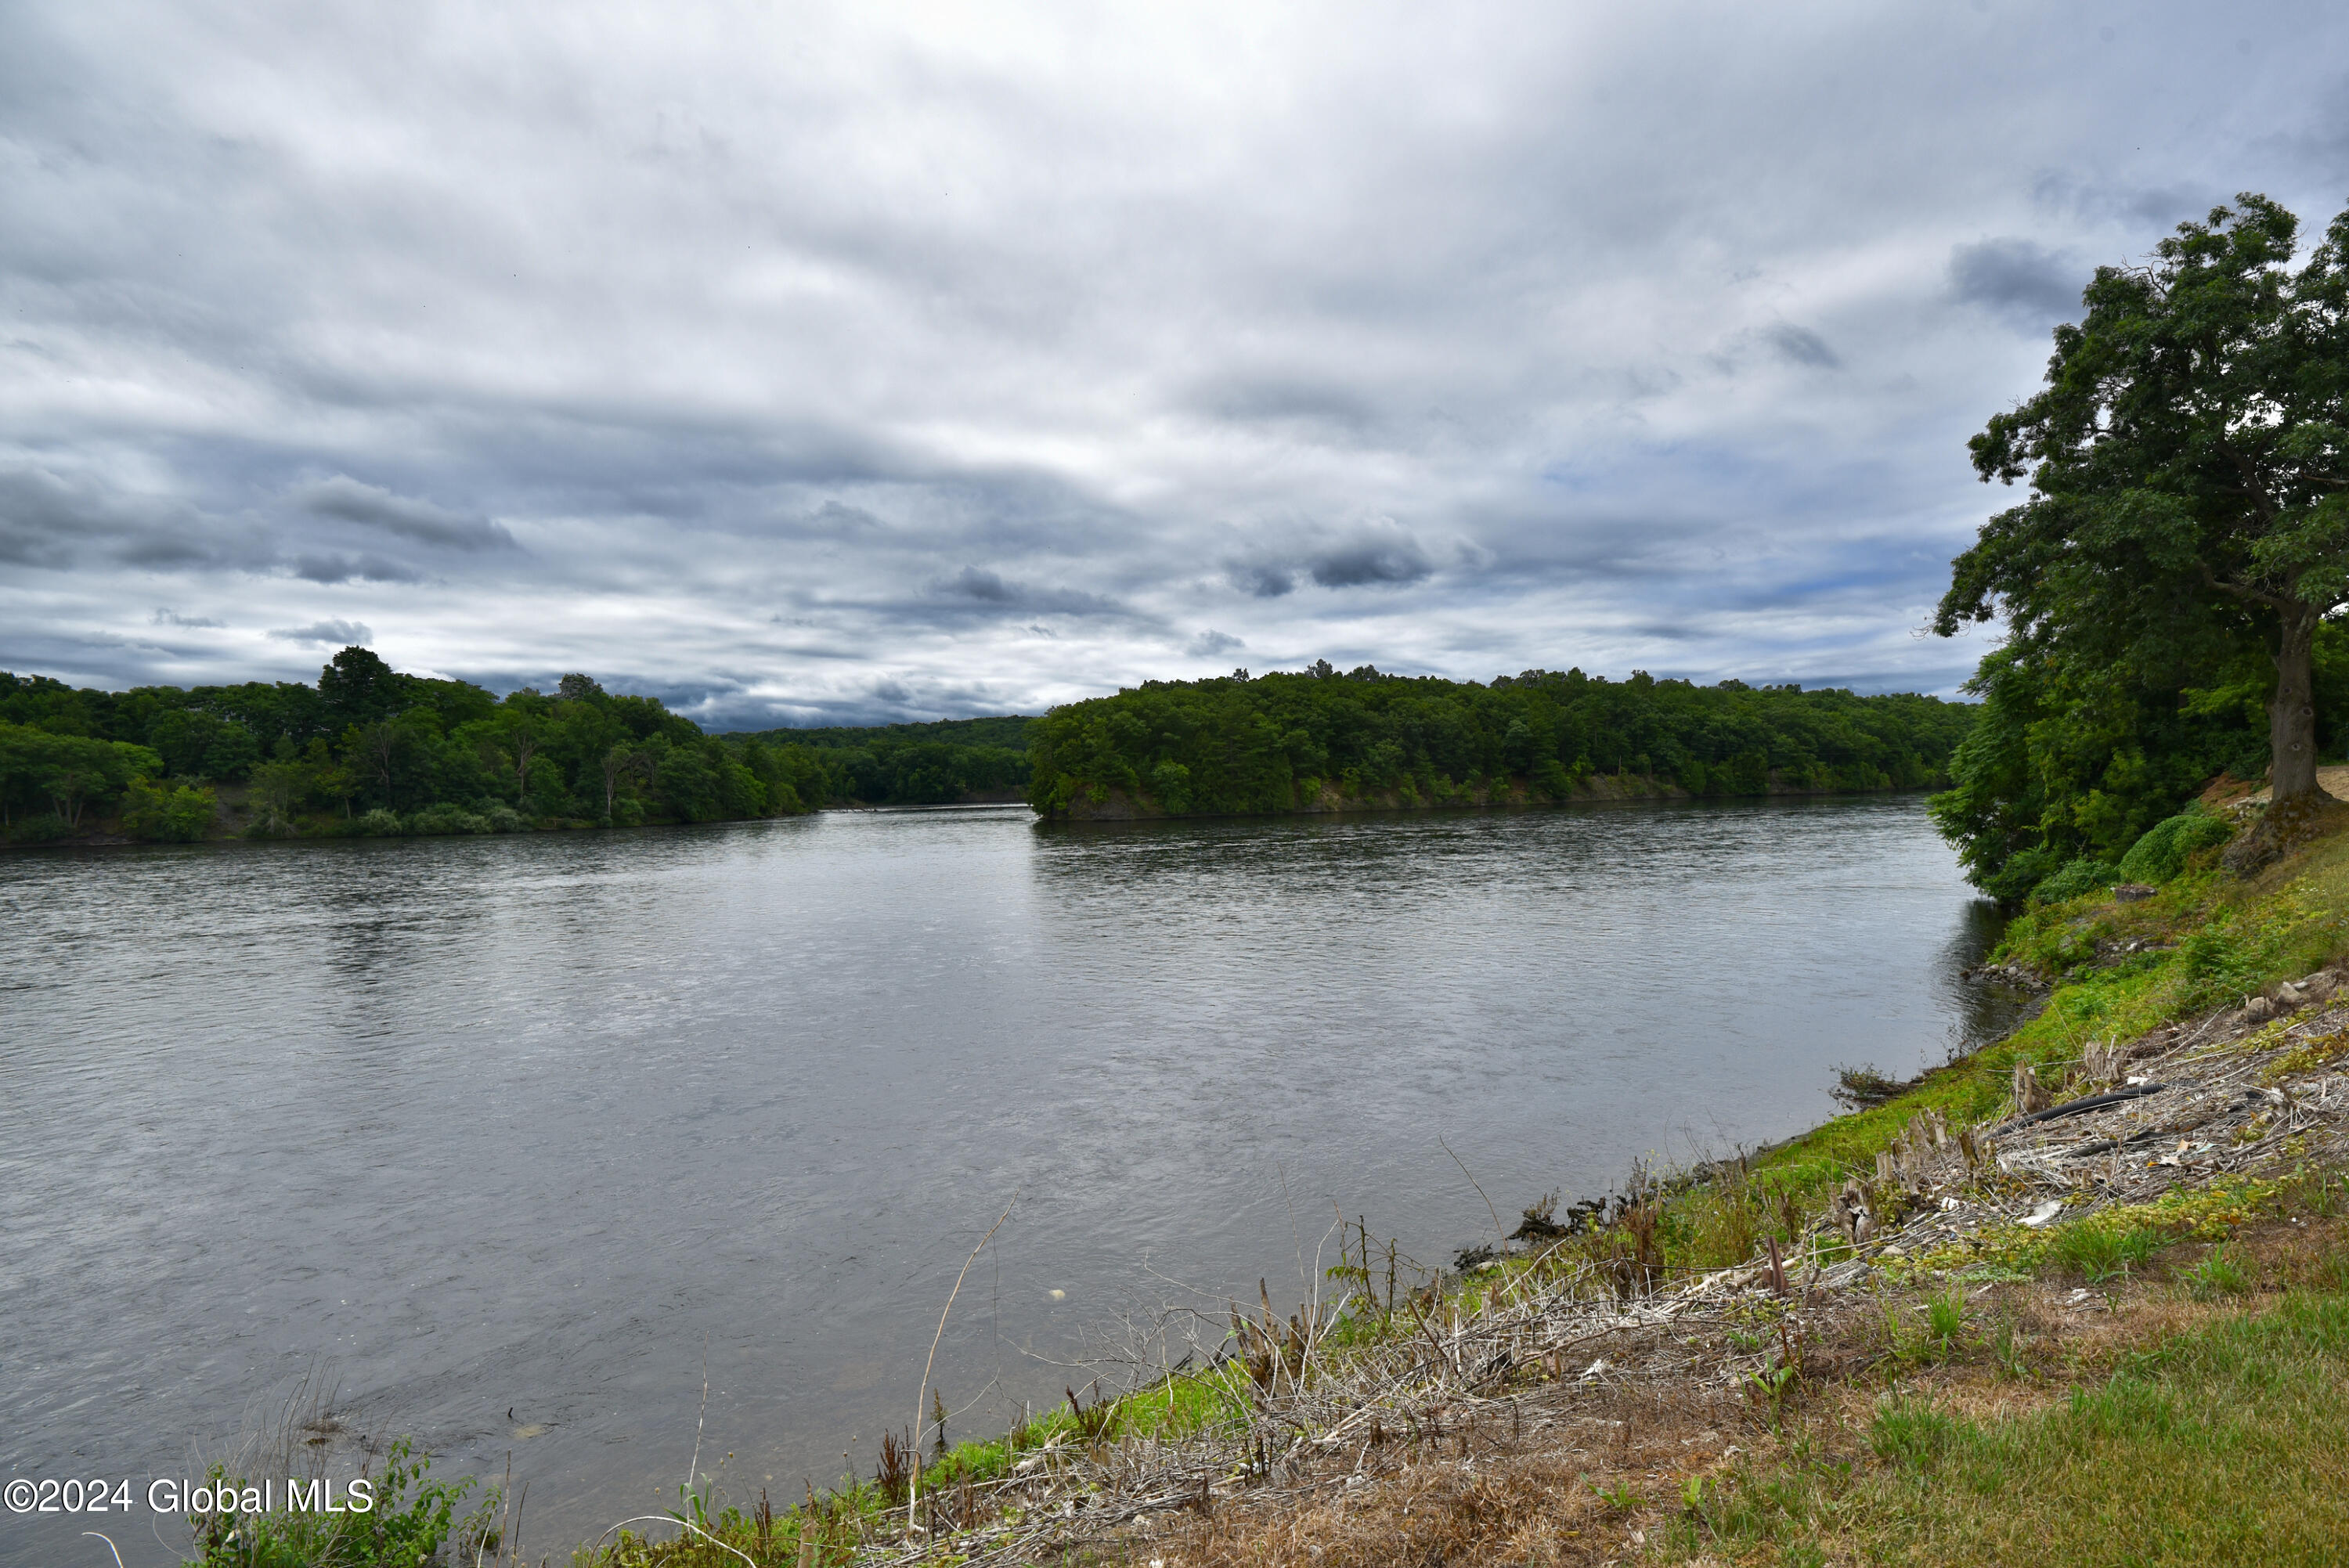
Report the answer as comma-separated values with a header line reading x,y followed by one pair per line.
x,y
2291,717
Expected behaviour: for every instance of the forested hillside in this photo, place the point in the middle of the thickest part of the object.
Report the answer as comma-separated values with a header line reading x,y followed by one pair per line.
x,y
1321,739
366,750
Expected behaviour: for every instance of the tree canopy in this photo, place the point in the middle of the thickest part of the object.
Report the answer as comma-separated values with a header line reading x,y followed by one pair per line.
x,y
1285,742
2187,458
369,750
2167,583
935,763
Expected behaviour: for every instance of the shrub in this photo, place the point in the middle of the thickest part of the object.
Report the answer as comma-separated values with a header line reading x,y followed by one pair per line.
x,y
2077,877
46,829
2160,855
503,819
2023,871
441,818
177,816
380,823
414,1518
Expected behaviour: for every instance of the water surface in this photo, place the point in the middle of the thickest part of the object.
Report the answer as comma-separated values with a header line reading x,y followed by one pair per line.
x,y
535,1124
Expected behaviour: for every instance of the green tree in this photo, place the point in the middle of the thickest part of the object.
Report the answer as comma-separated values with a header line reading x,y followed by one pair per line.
x,y
172,816
75,769
23,757
358,688
2188,470
618,766
278,790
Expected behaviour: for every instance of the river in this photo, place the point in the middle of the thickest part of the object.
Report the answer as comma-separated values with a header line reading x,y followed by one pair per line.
x,y
508,1139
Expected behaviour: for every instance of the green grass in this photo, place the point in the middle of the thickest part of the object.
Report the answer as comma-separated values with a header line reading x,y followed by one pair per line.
x,y
2228,1444
2099,1253
2212,940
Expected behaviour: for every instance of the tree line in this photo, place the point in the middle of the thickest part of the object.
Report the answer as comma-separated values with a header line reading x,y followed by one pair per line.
x,y
368,750
1284,742
930,764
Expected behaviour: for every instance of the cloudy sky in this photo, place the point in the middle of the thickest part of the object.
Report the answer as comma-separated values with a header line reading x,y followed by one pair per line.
x,y
806,363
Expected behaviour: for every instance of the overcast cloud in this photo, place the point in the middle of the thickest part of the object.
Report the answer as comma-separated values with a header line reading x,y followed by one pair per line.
x,y
806,363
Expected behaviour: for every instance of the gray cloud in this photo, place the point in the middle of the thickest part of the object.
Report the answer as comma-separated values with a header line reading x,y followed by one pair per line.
x,y
1370,561
2018,277
984,586
339,568
164,617
372,507
1261,581
1802,346
336,634
953,369
986,589
40,522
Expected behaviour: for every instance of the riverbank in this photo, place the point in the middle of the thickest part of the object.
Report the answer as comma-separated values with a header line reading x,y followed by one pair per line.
x,y
2114,1334
1440,793
229,814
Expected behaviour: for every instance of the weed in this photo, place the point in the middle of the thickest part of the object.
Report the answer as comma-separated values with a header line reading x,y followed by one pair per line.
x,y
2006,1349
2218,1275
2099,1253
1094,1422
1945,1317
2314,1192
412,1517
2321,1051
1912,1433
896,1470
1770,1388
1862,1087
1724,1223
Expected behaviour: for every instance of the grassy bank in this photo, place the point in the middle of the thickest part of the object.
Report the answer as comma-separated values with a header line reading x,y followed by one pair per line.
x,y
2201,1422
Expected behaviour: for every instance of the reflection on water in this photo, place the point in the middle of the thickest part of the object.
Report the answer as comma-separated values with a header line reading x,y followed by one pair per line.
x,y
524,1123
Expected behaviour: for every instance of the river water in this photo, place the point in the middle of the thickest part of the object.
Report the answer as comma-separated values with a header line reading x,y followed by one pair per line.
x,y
508,1139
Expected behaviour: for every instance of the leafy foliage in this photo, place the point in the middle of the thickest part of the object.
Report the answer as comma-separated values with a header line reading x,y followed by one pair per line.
x,y
2160,855
413,1519
903,764
370,750
1283,742
2166,582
